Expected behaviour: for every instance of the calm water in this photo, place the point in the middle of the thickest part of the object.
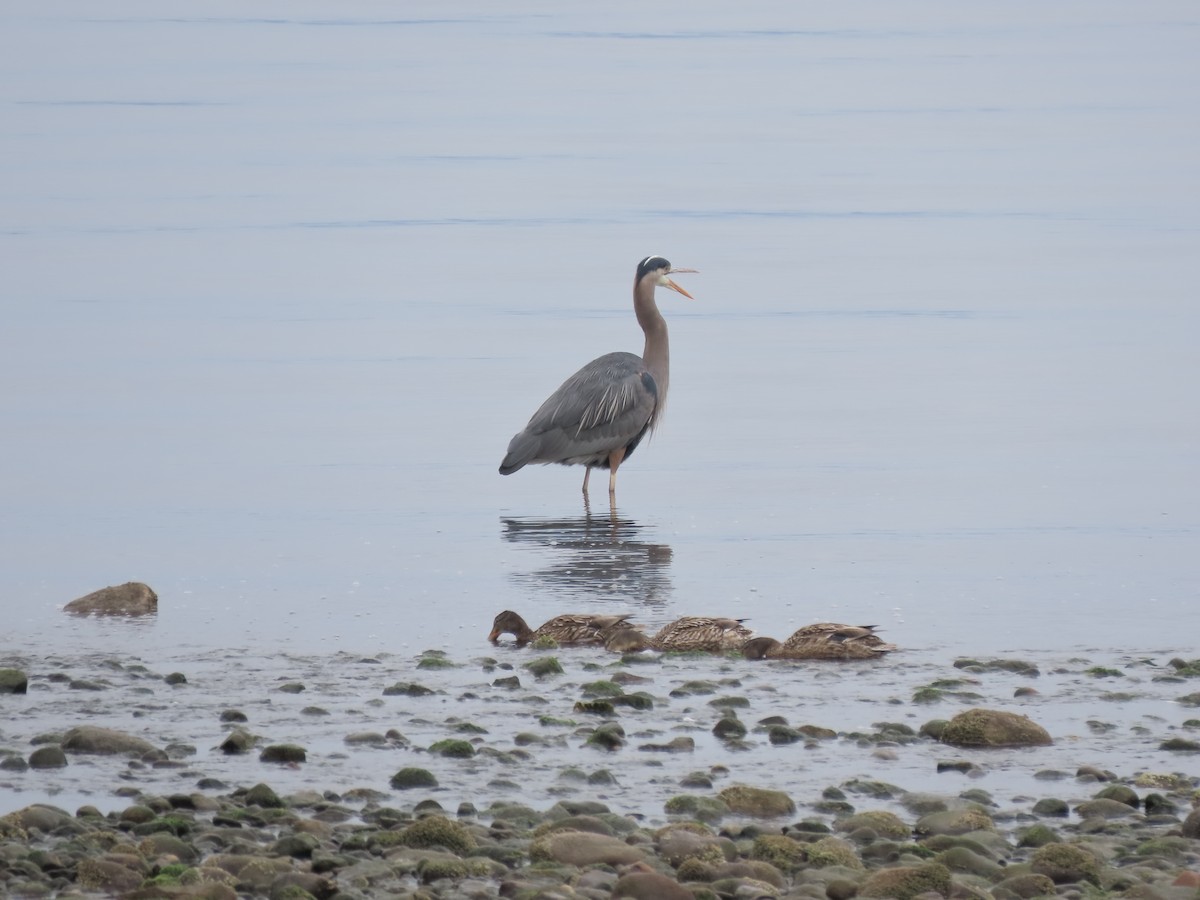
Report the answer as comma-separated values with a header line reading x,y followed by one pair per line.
x,y
281,282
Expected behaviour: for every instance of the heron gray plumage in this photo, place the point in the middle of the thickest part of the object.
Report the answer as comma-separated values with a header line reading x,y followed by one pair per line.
x,y
599,415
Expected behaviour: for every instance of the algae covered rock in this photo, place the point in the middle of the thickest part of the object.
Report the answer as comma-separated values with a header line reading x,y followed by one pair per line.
x,y
1065,864
411,777
13,681
884,823
544,667
906,882
453,748
779,850
954,821
761,803
832,851
283,753
696,806
993,728
438,831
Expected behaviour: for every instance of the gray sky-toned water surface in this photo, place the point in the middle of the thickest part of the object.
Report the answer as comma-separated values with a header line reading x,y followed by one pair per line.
x,y
281,281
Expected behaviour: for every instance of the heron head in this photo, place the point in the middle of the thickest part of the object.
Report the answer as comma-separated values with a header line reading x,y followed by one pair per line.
x,y
660,269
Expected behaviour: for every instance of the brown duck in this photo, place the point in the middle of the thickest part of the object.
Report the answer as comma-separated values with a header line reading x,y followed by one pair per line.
x,y
687,633
571,628
824,640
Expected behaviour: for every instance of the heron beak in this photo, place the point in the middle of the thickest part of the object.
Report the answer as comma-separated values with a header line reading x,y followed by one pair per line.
x,y
668,283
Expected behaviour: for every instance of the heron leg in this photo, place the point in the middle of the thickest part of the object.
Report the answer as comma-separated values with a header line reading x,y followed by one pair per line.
x,y
614,460
587,473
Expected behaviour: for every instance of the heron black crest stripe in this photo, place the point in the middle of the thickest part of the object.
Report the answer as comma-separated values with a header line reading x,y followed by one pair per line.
x,y
649,264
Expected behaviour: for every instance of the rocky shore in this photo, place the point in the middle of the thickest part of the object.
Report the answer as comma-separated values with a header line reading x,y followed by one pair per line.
x,y
723,825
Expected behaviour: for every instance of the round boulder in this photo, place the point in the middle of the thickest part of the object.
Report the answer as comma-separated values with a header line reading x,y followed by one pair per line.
x,y
13,681
93,739
761,803
993,728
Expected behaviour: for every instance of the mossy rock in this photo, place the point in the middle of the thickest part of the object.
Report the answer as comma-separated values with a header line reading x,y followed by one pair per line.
x,y
436,662
762,803
885,824
609,736
1016,666
832,851
906,882
1169,847
1182,745
1065,864
1038,836
636,700
967,861
704,809
779,850
13,681
453,748
1026,884
993,728
263,795
691,688
407,689
283,753
954,821
411,777
438,831
595,707
544,667
602,689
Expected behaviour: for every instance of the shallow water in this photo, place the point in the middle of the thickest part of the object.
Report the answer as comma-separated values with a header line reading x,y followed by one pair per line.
x,y
279,287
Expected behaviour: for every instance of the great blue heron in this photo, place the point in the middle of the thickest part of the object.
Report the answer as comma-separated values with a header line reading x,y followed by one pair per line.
x,y
600,414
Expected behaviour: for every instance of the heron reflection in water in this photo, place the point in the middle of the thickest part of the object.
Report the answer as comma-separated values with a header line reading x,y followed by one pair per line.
x,y
599,415
601,558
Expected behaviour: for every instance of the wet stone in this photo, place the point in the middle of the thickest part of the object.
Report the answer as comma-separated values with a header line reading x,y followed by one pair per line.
x,y
13,681
283,753
47,757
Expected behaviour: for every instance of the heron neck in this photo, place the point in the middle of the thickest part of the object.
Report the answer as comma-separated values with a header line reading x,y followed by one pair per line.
x,y
656,354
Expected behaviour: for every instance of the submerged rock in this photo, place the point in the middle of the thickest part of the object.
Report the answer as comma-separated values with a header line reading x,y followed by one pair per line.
x,y
130,599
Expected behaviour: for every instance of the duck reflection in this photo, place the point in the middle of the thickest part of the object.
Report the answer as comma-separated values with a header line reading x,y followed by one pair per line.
x,y
599,557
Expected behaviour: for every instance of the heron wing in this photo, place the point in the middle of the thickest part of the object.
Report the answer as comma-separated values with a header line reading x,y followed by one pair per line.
x,y
600,408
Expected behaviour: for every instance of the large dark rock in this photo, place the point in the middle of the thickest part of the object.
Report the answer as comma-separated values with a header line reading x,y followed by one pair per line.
x,y
13,681
130,599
